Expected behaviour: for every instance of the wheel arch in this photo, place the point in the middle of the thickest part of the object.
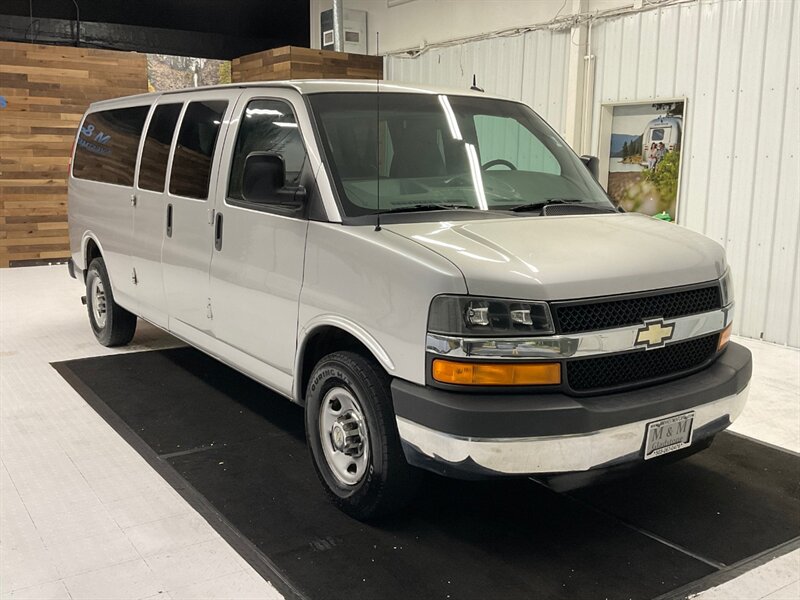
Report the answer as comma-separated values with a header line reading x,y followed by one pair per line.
x,y
91,249
330,334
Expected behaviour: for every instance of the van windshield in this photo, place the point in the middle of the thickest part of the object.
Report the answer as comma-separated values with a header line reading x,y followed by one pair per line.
x,y
398,152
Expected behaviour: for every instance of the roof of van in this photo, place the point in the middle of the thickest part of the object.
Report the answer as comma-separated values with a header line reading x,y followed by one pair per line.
x,y
317,86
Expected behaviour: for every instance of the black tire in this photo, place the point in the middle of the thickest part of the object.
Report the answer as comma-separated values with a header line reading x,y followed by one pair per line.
x,y
389,482
119,325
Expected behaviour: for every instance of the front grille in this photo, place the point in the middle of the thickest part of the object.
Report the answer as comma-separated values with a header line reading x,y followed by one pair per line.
x,y
620,312
641,366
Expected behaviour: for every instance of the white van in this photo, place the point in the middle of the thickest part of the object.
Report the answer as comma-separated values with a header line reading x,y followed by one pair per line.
x,y
434,275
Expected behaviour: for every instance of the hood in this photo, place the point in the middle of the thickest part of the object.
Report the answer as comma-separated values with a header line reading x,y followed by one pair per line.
x,y
570,257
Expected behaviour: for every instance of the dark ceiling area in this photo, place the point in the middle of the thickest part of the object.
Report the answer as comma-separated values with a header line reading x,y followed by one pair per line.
x,y
205,28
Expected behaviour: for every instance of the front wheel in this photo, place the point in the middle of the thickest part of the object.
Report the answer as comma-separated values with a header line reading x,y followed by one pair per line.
x,y
112,325
352,434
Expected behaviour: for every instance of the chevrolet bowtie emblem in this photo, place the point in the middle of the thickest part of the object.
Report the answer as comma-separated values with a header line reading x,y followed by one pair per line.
x,y
654,334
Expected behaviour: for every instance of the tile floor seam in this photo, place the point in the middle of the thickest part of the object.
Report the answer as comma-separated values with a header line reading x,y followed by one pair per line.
x,y
217,537
27,510
148,560
131,561
40,584
123,529
780,589
120,529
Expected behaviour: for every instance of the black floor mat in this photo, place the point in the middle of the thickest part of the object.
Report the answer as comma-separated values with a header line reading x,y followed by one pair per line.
x,y
241,449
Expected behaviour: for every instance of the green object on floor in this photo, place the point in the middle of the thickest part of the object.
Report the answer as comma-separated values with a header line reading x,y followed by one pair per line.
x,y
663,216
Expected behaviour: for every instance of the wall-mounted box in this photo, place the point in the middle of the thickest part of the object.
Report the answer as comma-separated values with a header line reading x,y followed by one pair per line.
x,y
355,30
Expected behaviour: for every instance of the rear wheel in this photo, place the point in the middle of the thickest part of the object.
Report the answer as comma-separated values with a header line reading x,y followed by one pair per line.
x,y
352,434
112,325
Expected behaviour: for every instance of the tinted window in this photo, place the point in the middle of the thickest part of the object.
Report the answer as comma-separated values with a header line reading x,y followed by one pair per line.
x,y
107,145
658,135
191,167
267,126
153,168
505,142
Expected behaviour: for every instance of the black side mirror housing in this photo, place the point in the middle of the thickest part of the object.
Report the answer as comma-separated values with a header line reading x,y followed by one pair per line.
x,y
264,177
593,164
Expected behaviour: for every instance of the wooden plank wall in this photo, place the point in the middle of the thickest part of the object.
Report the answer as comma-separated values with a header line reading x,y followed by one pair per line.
x,y
291,62
47,90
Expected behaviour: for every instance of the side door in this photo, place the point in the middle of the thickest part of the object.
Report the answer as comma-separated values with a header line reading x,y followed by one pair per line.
x,y
150,210
257,263
188,240
101,185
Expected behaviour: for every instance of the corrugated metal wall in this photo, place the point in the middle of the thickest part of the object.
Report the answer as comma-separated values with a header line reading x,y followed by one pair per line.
x,y
733,60
736,61
530,67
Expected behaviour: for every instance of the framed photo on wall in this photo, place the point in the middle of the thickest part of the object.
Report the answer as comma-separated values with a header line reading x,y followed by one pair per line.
x,y
640,154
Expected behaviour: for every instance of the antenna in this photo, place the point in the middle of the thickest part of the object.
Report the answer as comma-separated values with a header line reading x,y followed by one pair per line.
x,y
378,137
474,87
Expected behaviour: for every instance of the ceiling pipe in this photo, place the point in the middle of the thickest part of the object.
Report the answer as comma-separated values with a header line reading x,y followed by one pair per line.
x,y
338,26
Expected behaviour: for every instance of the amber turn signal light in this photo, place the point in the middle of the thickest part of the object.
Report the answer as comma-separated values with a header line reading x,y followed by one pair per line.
x,y
724,337
463,373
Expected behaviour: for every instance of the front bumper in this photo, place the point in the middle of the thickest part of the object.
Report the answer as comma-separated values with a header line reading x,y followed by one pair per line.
x,y
464,435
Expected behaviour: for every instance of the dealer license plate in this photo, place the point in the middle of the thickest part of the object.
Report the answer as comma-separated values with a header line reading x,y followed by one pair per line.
x,y
668,435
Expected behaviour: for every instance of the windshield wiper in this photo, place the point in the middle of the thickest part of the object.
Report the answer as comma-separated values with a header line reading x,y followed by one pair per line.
x,y
540,205
426,207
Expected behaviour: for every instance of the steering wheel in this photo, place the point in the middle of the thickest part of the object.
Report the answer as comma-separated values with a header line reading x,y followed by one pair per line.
x,y
498,161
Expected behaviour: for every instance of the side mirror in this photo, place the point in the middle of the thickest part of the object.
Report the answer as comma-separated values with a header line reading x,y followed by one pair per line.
x,y
593,164
264,177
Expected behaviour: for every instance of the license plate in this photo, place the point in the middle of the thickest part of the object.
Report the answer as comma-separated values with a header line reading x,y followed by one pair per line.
x,y
668,435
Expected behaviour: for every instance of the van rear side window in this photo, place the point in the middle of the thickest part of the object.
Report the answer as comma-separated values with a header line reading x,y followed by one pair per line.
x,y
153,168
107,145
191,166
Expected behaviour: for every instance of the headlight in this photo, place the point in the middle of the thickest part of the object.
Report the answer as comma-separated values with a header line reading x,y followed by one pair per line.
x,y
470,315
726,288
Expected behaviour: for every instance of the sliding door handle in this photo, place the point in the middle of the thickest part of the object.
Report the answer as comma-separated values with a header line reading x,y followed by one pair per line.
x,y
218,232
169,220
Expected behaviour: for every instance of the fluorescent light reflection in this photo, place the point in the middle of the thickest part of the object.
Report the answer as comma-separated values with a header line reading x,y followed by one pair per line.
x,y
477,177
263,111
451,117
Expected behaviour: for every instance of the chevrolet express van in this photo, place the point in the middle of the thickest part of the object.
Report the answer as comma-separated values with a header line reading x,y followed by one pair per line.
x,y
434,275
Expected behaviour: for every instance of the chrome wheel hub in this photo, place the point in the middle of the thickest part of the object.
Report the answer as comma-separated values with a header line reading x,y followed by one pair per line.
x,y
343,435
99,308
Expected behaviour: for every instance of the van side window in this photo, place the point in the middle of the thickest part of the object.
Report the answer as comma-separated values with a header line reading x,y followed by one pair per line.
x,y
107,144
267,126
153,168
191,166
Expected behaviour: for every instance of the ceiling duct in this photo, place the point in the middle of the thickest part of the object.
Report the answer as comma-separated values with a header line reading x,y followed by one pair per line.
x,y
338,26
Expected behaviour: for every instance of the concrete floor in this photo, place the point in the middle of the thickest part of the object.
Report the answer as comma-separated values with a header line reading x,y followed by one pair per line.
x,y
82,515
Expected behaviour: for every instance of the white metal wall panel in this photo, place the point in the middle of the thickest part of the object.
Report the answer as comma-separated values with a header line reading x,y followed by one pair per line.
x,y
544,69
530,67
739,180
783,264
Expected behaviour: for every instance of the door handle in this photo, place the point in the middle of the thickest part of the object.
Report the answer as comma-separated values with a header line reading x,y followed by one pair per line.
x,y
218,232
169,220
